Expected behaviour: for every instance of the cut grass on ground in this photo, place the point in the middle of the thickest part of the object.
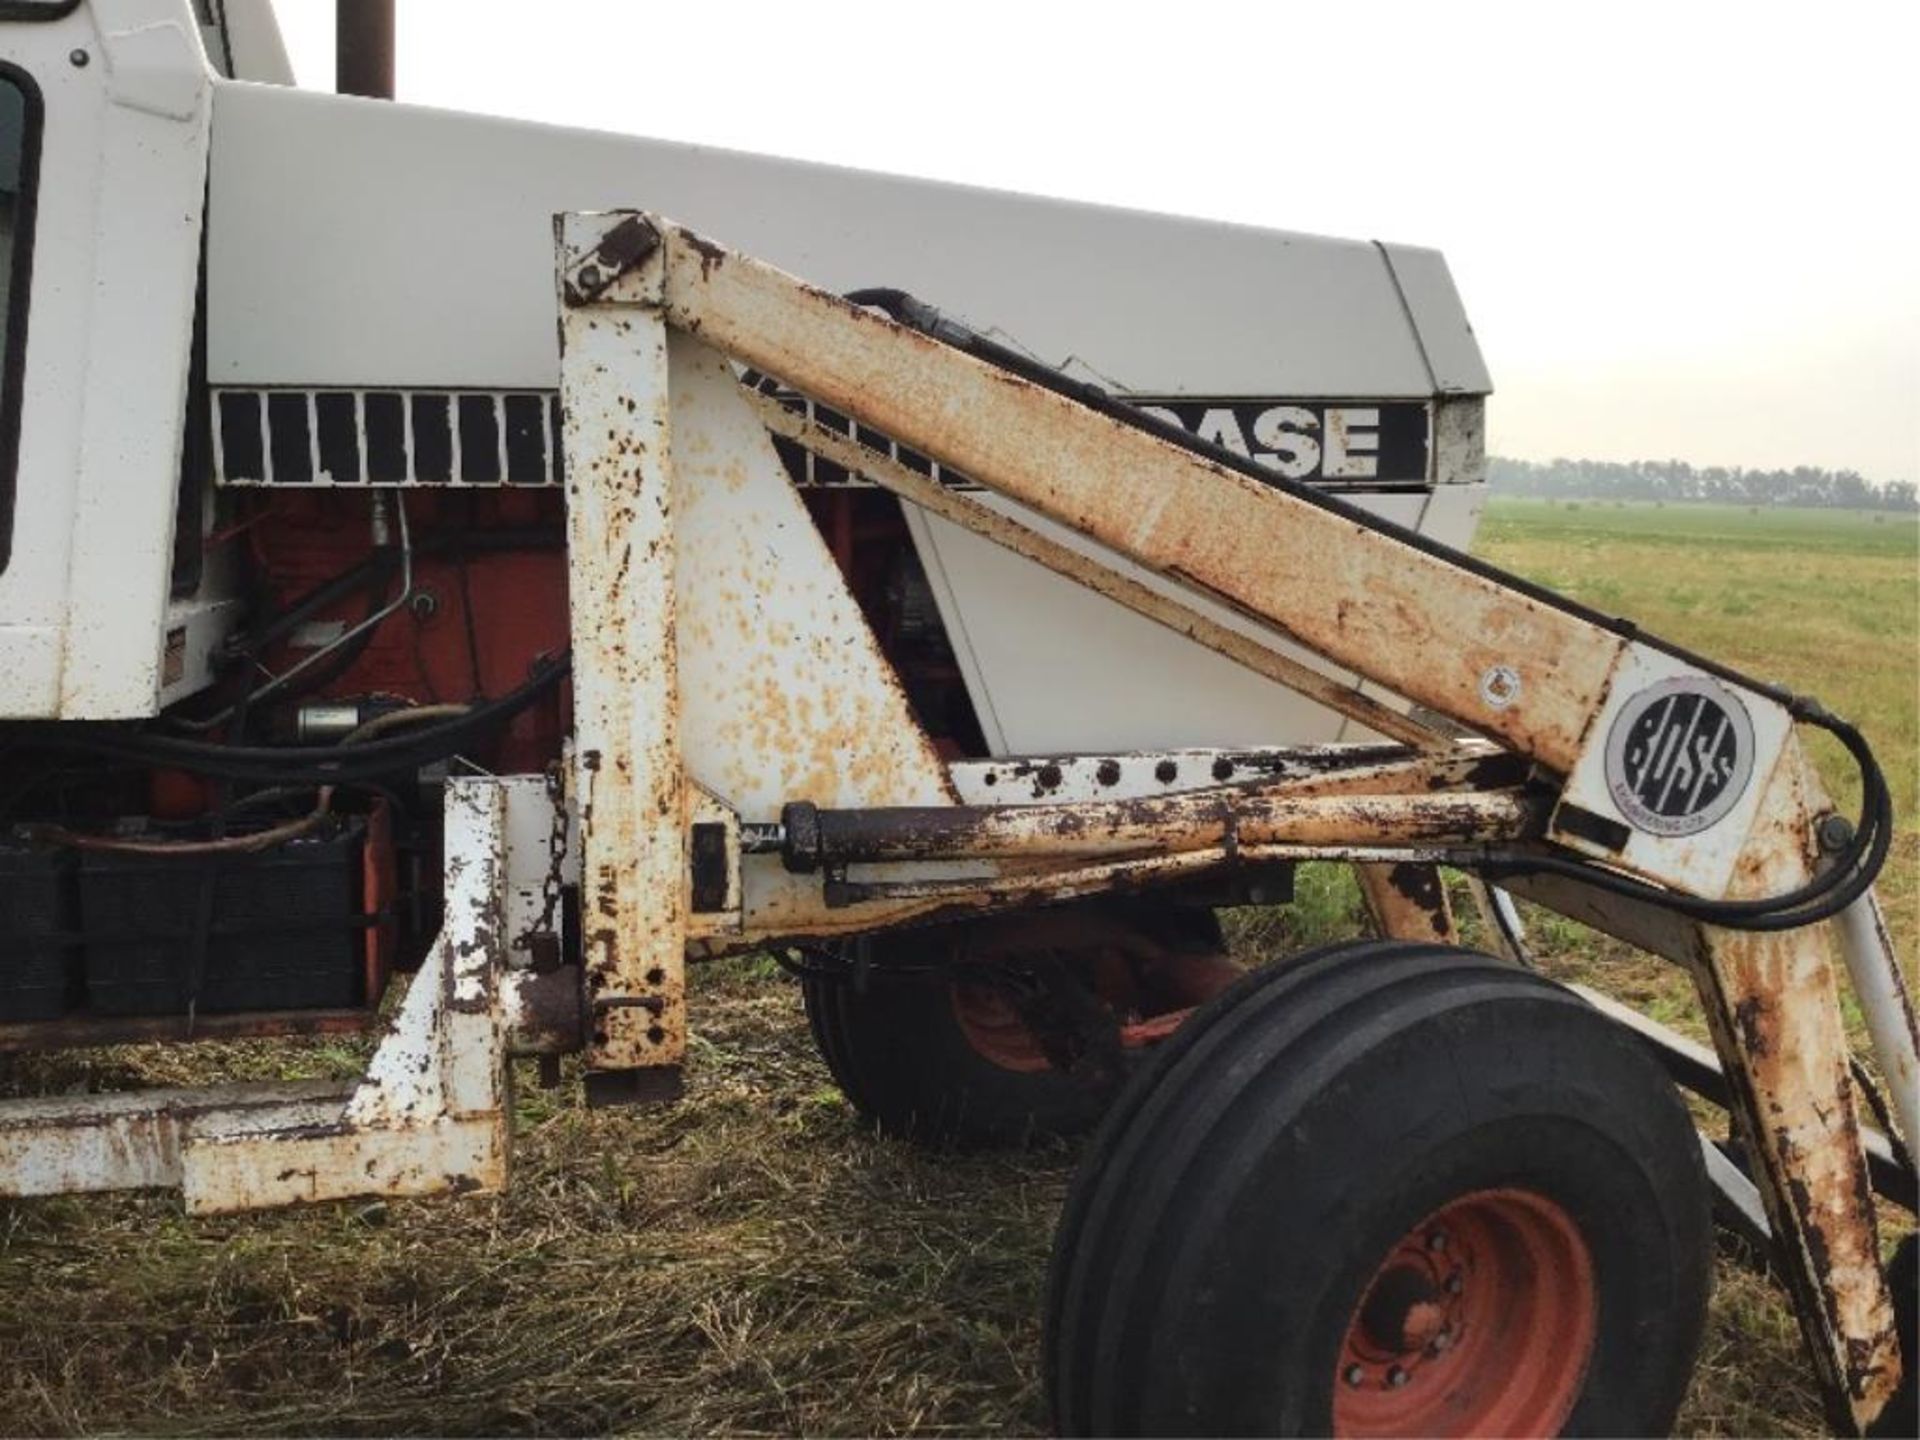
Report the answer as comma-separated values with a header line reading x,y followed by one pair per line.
x,y
752,1261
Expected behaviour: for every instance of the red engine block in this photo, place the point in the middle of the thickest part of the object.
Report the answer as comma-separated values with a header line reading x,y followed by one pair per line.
x,y
488,598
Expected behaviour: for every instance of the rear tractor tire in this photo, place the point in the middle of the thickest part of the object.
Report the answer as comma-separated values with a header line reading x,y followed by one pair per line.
x,y
931,1034
1386,1189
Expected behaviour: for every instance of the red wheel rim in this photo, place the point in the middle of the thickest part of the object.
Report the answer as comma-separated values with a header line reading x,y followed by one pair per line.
x,y
995,1030
1480,1321
994,1027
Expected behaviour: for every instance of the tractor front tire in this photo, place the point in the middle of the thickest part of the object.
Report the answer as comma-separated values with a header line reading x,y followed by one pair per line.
x,y
1386,1189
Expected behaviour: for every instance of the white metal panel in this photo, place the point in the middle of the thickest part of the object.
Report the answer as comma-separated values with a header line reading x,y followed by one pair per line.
x,y
145,283
33,584
1450,514
784,694
1433,304
629,773
115,271
1054,667
30,658
358,241
254,43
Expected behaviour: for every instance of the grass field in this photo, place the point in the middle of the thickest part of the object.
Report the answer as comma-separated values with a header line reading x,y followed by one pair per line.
x,y
751,1261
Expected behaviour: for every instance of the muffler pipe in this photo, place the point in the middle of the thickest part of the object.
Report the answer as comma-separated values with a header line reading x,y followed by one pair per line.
x,y
363,48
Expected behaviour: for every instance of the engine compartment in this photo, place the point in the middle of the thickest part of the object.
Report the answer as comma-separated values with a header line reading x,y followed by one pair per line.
x,y
433,622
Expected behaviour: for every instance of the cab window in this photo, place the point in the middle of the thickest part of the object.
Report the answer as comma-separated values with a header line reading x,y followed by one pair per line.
x,y
19,162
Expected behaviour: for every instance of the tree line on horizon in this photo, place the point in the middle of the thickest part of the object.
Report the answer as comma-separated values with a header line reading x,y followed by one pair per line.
x,y
1676,480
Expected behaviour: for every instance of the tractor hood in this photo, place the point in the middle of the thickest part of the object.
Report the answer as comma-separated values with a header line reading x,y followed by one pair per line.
x,y
362,243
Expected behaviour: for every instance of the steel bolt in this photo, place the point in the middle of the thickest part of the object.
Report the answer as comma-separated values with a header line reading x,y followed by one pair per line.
x,y
1441,1343
589,277
1835,833
1455,1284
78,59
1396,1377
1437,1240
1354,1376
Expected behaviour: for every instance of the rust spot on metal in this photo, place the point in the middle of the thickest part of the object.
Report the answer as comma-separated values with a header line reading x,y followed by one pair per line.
x,y
1419,883
712,256
1188,821
1750,1017
1408,901
548,1012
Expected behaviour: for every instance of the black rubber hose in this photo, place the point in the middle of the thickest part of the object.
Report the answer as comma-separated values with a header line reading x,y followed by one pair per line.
x,y
383,562
1820,899
331,668
328,593
296,764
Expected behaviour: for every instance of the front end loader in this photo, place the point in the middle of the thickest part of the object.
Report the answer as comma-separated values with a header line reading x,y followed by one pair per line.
x,y
445,609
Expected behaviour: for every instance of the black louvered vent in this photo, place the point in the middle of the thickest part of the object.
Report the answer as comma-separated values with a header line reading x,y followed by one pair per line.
x,y
386,437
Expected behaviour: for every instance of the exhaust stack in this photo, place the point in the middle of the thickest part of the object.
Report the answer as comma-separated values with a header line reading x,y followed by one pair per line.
x,y
363,48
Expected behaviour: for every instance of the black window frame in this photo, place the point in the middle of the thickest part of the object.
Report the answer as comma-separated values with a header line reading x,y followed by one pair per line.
x,y
13,364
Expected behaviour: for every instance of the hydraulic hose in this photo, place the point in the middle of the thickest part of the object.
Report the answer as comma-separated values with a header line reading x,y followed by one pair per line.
x,y
1821,898
309,764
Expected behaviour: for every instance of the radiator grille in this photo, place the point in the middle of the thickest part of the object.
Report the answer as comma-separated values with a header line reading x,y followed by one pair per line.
x,y
809,471
396,437
386,437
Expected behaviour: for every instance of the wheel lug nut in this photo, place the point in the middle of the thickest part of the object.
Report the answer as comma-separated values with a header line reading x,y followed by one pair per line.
x,y
1441,1343
1355,1375
1455,1284
1396,1377
1437,1240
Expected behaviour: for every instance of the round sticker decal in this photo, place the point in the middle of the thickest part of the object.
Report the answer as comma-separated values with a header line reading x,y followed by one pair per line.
x,y
1679,755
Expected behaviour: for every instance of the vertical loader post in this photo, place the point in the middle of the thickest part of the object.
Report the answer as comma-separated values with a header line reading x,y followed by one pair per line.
x,y
1773,1004
629,781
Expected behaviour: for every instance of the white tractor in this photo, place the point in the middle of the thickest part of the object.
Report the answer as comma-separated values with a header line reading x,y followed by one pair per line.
x,y
437,601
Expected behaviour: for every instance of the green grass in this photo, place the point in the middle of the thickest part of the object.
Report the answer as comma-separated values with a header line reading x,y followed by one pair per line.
x,y
752,1260
1826,602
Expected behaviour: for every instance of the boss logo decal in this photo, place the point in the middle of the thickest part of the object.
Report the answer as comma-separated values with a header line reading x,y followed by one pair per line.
x,y
1679,755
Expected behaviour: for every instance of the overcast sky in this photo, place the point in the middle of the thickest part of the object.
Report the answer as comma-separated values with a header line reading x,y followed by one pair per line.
x,y
1681,230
